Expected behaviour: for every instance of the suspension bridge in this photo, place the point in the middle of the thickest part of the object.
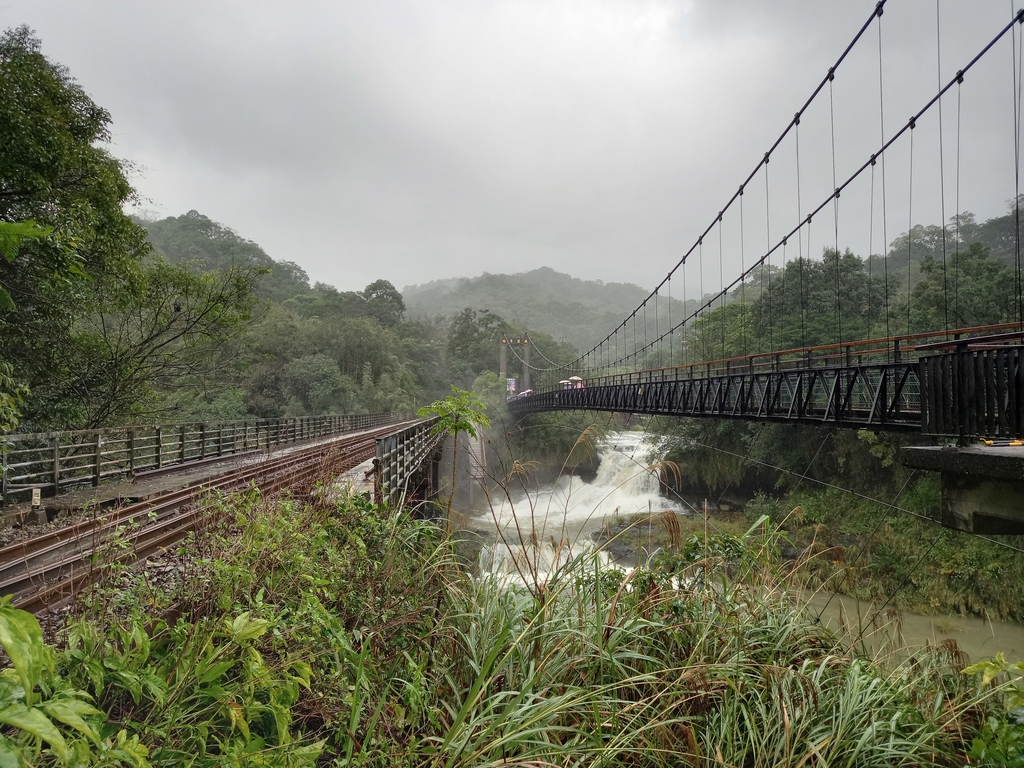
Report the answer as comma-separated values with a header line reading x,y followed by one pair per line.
x,y
835,340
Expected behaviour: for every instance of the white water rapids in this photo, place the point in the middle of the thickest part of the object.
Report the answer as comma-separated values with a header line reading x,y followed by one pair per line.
x,y
541,529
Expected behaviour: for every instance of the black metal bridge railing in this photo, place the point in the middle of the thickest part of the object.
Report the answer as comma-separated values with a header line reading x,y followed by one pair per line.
x,y
962,386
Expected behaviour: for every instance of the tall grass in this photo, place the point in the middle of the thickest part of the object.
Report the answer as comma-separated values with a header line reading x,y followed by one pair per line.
x,y
620,670
336,633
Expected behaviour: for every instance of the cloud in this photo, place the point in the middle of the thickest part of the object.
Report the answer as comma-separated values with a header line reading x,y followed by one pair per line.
x,y
416,140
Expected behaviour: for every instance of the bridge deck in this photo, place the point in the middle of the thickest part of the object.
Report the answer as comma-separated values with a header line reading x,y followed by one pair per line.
x,y
973,387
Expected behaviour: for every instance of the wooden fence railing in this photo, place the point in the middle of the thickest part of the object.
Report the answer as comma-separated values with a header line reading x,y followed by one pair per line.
x,y
58,461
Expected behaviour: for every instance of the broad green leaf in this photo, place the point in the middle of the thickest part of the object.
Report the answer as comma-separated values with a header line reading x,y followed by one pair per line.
x,y
22,641
243,628
12,233
210,693
303,671
283,720
238,719
94,668
132,749
11,689
9,755
307,753
156,686
216,671
131,682
235,625
70,712
988,669
33,721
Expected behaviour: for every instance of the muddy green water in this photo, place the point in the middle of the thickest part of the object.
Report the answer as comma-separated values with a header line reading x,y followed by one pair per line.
x,y
902,632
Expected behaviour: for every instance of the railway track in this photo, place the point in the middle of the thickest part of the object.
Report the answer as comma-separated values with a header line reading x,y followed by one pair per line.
x,y
48,570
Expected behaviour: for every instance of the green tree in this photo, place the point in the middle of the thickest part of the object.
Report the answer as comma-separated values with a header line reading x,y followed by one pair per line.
x,y
55,171
802,308
171,330
492,390
12,234
384,303
12,396
972,289
999,234
379,366
325,301
724,332
316,386
473,339
423,343
96,329
460,412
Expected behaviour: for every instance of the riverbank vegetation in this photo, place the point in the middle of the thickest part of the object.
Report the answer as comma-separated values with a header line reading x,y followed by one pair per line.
x,y
330,632
842,495
870,521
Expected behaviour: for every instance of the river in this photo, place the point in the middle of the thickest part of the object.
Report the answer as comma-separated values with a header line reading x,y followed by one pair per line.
x,y
531,532
900,632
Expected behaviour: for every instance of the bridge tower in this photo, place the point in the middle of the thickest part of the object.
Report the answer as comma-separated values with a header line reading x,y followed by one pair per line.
x,y
522,342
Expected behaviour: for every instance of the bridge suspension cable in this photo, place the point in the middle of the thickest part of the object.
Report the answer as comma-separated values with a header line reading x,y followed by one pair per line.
x,y
1018,82
583,361
885,219
624,346
942,168
909,126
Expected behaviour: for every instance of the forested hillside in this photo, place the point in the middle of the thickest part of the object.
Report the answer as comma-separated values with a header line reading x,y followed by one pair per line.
x,y
582,312
314,349
579,312
193,238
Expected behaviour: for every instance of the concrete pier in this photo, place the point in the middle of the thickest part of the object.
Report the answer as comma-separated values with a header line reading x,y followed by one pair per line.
x,y
982,486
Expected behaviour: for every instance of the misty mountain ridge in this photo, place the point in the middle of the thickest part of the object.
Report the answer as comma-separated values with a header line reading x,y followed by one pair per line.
x,y
580,312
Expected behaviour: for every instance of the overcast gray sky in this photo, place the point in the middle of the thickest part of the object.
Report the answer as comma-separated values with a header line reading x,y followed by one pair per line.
x,y
421,140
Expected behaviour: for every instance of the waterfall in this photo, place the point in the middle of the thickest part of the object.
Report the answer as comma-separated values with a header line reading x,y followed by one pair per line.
x,y
540,530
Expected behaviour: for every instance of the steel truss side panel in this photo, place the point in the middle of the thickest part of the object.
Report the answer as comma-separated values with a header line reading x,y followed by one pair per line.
x,y
961,393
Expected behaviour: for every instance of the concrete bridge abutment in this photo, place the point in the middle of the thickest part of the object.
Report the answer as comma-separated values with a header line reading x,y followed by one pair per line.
x,y
982,486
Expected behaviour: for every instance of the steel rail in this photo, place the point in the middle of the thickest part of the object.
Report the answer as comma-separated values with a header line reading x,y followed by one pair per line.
x,y
38,546
17,560
53,567
73,572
